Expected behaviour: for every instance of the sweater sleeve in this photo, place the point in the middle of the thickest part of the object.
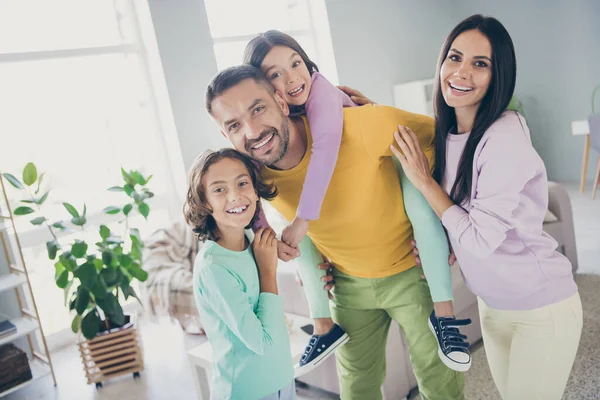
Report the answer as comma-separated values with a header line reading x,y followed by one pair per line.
x,y
324,111
223,292
506,163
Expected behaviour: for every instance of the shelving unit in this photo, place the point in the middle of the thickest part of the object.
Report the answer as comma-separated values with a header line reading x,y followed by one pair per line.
x,y
16,279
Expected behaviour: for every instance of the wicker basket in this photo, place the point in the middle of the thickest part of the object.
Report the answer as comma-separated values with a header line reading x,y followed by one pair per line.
x,y
14,367
111,354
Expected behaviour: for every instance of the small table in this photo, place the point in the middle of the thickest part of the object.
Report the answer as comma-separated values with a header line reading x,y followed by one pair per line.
x,y
201,357
583,128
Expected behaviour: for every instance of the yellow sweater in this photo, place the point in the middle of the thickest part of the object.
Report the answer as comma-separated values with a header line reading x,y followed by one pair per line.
x,y
363,228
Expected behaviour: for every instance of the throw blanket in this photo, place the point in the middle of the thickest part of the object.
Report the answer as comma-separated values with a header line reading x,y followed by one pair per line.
x,y
169,260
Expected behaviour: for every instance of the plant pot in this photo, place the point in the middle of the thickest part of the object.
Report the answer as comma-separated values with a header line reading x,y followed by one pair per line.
x,y
112,353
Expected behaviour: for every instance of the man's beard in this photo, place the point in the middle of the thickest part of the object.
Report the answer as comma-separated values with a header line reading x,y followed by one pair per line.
x,y
276,153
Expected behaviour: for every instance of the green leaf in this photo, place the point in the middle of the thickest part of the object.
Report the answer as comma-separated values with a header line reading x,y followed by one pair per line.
x,y
76,324
28,201
84,210
79,221
112,210
86,273
52,248
128,189
125,175
111,307
127,209
134,234
38,220
137,197
71,210
148,179
63,279
110,276
107,257
39,182
100,289
42,199
125,260
114,240
79,249
104,232
29,174
67,291
138,273
82,300
98,264
139,178
144,209
90,325
59,225
115,189
23,210
14,181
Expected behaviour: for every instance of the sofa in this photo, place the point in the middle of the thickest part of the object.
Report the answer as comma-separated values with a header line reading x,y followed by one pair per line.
x,y
169,255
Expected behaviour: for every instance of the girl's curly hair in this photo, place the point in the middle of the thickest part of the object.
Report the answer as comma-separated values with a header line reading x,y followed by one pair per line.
x,y
196,210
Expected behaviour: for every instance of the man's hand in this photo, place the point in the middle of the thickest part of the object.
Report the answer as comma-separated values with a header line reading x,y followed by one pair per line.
x,y
286,253
451,259
328,278
356,96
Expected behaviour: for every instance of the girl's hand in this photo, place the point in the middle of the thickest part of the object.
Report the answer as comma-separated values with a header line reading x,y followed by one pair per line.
x,y
286,253
356,96
264,248
294,232
412,158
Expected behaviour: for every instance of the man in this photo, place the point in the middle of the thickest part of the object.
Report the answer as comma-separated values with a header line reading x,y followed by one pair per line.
x,y
363,227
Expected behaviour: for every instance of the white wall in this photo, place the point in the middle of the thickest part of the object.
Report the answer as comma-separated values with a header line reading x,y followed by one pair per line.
x,y
188,61
383,42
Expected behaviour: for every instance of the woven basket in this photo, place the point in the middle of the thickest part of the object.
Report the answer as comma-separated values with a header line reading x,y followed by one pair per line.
x,y
14,367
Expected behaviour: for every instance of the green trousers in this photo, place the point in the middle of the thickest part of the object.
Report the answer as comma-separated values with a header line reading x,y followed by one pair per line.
x,y
365,307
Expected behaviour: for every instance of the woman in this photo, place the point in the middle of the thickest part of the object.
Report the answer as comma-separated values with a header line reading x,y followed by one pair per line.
x,y
490,190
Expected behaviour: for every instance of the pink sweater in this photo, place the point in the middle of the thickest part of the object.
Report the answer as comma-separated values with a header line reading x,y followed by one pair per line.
x,y
505,256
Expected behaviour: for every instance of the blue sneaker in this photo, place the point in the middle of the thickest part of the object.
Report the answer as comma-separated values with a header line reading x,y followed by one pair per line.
x,y
319,348
453,350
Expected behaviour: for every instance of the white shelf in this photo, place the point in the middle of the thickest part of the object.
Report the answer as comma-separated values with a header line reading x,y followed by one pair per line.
x,y
10,281
38,370
24,326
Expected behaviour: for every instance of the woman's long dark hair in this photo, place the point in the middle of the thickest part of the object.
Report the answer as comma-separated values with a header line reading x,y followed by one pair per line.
x,y
493,104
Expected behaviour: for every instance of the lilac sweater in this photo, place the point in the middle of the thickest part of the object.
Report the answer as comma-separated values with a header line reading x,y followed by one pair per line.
x,y
324,111
505,256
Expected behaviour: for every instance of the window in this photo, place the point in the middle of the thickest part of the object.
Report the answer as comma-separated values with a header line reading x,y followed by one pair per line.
x,y
305,20
78,101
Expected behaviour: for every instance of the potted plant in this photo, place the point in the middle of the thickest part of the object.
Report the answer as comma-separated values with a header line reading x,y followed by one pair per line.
x,y
96,277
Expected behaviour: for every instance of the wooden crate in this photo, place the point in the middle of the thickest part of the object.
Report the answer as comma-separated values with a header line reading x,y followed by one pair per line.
x,y
112,354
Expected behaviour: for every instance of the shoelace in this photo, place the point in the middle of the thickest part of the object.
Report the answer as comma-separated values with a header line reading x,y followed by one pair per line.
x,y
452,339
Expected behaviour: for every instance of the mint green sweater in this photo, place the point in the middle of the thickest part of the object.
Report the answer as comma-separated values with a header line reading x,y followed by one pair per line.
x,y
246,328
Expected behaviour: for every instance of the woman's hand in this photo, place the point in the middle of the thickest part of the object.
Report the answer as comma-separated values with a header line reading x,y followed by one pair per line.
x,y
356,96
412,158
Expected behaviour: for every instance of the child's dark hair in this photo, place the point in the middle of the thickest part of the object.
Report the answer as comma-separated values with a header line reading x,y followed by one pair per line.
x,y
196,210
258,48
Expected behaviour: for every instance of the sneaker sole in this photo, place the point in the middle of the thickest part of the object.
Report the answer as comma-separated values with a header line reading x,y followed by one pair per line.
x,y
299,371
453,365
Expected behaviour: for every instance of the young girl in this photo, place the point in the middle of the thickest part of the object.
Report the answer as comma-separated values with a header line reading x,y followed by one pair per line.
x,y
491,193
235,284
296,77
